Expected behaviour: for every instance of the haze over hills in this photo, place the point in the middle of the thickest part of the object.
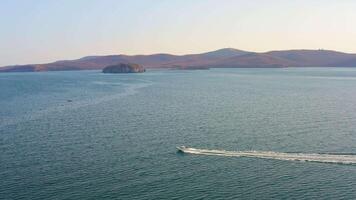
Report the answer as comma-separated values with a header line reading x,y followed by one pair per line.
x,y
227,57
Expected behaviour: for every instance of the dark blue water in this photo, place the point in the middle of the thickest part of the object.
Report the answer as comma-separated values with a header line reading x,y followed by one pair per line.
x,y
87,135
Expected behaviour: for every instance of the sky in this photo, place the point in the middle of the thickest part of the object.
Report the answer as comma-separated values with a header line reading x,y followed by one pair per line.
x,y
40,31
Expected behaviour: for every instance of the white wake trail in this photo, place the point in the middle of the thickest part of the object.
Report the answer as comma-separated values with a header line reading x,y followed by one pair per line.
x,y
311,157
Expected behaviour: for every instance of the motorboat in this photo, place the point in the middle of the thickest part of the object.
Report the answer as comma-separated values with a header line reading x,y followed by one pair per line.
x,y
181,149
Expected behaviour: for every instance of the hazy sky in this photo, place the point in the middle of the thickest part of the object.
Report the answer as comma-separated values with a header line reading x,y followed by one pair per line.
x,y
38,31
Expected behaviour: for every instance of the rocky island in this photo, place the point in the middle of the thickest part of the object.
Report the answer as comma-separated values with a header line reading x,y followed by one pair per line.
x,y
124,68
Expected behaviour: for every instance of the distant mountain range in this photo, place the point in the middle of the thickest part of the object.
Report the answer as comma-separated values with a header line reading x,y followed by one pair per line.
x,y
222,58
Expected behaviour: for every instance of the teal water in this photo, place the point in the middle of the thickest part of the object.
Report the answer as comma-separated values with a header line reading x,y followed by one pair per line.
x,y
87,135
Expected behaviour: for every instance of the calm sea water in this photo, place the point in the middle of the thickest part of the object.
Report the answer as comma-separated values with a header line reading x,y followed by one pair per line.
x,y
88,135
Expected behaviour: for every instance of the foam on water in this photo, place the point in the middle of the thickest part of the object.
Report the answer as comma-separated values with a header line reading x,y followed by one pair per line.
x,y
311,157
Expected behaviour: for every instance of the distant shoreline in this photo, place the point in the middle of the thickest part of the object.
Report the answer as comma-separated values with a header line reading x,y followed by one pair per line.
x,y
222,58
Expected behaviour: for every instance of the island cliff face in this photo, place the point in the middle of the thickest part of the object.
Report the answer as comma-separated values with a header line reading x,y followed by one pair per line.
x,y
124,68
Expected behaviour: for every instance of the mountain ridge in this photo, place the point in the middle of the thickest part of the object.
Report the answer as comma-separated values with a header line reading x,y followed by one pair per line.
x,y
226,57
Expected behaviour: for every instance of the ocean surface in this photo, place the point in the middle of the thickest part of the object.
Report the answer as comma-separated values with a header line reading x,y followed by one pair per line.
x,y
254,134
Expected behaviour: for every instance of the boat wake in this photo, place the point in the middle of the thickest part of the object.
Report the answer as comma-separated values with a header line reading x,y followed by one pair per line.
x,y
306,157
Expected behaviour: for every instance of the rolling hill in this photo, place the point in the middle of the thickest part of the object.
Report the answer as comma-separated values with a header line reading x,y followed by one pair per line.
x,y
228,57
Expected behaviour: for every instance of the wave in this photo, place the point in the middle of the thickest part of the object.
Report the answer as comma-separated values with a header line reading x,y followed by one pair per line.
x,y
305,157
333,77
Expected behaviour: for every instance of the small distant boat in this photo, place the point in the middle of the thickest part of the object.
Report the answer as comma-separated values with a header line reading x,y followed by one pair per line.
x,y
181,149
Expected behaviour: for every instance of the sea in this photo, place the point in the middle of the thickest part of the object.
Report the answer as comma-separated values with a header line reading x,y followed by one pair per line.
x,y
283,133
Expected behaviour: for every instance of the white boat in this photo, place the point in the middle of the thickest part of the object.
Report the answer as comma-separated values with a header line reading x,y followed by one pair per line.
x,y
181,149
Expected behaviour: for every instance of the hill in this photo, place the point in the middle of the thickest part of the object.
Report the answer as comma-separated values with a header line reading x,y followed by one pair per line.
x,y
227,57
